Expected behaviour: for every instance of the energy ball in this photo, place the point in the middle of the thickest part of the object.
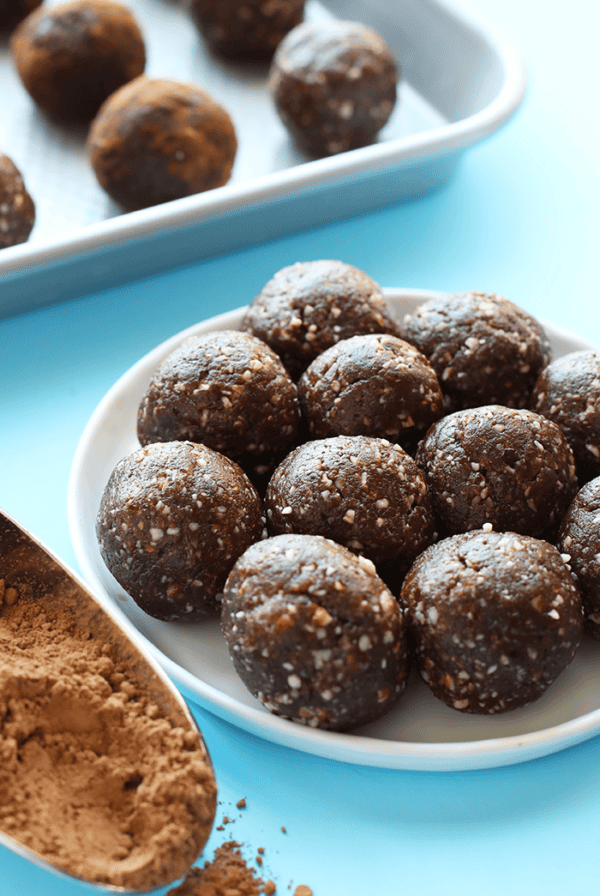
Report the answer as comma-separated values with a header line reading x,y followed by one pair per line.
x,y
14,11
173,519
313,633
246,29
71,57
227,390
376,385
334,85
568,392
365,493
17,210
495,617
507,467
155,140
484,349
579,540
309,306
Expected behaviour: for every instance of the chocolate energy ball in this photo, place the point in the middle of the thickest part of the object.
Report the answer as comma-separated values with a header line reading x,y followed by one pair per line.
x,y
17,210
173,519
508,467
496,617
14,11
309,306
313,632
246,29
71,57
334,85
228,390
484,349
568,392
579,540
362,492
155,140
375,385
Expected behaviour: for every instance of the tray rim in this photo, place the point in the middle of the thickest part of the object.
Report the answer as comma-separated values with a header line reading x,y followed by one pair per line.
x,y
394,153
354,749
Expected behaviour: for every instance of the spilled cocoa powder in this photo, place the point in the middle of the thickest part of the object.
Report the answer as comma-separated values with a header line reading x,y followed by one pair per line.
x,y
93,775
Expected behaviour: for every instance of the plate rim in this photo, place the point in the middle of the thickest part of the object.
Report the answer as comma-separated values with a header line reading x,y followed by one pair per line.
x,y
339,746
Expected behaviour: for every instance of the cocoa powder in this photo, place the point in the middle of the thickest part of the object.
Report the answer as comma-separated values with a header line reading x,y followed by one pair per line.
x,y
93,776
227,874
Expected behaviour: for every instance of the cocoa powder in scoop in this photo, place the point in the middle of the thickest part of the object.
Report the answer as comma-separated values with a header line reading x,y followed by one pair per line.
x,y
93,776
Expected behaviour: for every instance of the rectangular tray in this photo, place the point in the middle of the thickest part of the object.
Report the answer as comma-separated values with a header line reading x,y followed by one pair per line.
x,y
461,81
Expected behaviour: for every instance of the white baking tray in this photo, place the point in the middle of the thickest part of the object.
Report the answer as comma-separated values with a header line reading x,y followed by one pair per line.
x,y
462,80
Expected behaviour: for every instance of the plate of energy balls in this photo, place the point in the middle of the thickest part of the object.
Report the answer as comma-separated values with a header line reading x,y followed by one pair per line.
x,y
361,522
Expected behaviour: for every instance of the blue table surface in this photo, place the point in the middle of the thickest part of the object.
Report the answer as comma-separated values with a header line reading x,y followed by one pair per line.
x,y
520,218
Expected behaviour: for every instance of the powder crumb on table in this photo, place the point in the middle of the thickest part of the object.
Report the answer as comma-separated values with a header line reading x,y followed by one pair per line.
x,y
302,890
241,804
226,875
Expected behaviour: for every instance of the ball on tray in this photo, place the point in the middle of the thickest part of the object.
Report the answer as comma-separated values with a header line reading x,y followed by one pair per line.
x,y
173,519
308,306
506,467
495,617
71,57
484,349
155,140
313,632
245,29
334,85
17,209
14,11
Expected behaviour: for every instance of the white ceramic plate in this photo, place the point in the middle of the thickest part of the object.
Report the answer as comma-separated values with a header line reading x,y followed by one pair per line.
x,y
420,732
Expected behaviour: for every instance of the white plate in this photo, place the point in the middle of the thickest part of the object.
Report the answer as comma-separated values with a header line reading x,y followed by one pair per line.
x,y
420,732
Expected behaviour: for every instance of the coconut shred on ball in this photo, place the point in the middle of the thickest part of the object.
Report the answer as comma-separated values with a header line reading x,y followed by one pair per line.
x,y
155,140
173,519
313,632
484,349
334,85
495,617
308,306
508,467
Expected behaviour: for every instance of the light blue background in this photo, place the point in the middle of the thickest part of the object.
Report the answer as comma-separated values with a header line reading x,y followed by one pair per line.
x,y
521,218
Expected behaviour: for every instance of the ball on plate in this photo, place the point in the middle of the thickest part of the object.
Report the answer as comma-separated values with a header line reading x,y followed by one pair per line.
x,y
495,617
568,392
245,29
579,540
375,385
484,349
71,57
155,140
506,467
173,519
314,633
365,493
308,306
17,209
227,390
334,85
